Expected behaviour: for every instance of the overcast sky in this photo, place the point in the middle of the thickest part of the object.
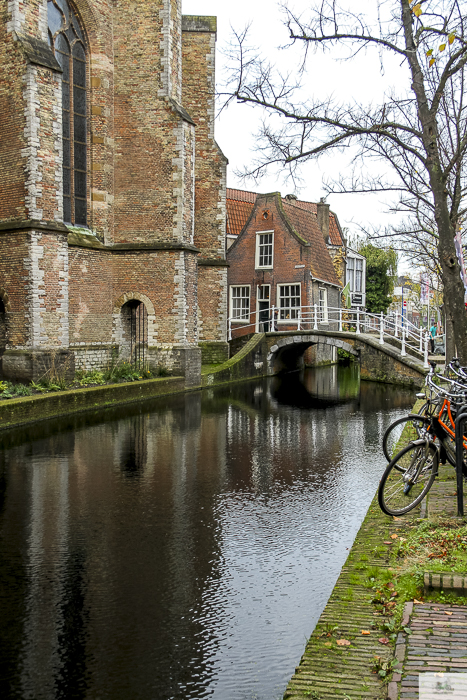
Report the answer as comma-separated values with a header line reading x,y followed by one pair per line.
x,y
236,128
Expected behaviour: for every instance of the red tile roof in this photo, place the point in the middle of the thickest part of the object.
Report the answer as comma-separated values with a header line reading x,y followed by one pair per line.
x,y
240,204
305,224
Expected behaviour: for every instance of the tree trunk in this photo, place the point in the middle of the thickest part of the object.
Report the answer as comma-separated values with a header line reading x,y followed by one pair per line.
x,y
453,287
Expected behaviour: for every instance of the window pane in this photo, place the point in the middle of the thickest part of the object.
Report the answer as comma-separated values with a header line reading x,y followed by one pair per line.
x,y
67,210
78,51
66,154
80,212
66,181
358,281
79,101
240,302
289,301
66,96
80,156
265,250
65,64
63,24
80,185
80,128
66,125
77,28
62,45
79,73
63,5
54,18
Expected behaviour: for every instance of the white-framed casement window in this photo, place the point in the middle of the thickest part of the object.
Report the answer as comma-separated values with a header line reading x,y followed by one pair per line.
x,y
288,301
358,274
240,303
354,274
323,305
350,268
264,250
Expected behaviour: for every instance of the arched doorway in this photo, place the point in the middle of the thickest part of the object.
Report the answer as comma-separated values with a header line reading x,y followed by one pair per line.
x,y
135,332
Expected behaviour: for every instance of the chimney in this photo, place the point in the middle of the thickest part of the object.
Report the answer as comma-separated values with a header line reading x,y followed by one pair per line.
x,y
323,218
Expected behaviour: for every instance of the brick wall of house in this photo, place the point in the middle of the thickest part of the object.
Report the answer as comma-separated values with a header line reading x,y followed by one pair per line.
x,y
295,257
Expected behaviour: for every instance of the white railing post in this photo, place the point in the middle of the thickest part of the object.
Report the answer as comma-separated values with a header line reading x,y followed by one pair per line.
x,y
273,319
358,321
230,329
381,329
421,339
340,319
299,320
425,362
403,353
315,327
396,326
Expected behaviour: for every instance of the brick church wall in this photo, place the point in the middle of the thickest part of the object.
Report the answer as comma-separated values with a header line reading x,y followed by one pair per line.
x,y
149,155
198,90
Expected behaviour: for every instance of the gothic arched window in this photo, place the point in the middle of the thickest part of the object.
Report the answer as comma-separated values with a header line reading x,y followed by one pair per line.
x,y
67,40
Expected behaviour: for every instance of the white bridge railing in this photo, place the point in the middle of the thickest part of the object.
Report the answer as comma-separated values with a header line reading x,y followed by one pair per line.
x,y
304,318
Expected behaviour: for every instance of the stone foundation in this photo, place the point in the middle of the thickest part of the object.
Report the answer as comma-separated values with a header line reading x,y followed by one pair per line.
x,y
33,365
214,353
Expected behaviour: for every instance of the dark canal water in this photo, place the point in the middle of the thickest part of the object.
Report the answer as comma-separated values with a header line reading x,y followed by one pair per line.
x,y
183,549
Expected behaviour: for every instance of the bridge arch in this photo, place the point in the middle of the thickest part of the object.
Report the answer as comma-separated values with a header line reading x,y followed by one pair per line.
x,y
287,353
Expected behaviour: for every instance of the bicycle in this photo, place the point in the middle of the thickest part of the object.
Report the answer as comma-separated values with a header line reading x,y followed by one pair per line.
x,y
440,404
410,474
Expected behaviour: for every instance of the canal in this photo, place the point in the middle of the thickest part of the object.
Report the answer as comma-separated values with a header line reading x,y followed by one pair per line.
x,y
185,548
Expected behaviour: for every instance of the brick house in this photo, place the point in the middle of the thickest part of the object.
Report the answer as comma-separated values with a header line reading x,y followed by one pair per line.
x,y
278,258
112,187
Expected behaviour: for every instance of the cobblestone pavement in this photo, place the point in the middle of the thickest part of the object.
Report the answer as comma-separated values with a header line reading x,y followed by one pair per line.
x,y
438,643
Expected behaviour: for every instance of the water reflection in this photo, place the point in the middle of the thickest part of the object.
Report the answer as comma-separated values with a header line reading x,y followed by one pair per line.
x,y
185,550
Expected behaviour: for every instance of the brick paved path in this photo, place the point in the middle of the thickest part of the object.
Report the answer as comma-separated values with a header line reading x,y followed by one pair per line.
x,y
438,643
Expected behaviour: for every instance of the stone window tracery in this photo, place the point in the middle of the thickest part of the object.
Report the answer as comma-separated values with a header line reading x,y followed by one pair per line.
x,y
67,40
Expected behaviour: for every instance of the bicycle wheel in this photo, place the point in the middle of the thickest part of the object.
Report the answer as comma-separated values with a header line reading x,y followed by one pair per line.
x,y
415,425
408,478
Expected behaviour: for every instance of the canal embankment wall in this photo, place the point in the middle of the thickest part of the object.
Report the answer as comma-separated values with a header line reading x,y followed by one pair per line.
x,y
253,360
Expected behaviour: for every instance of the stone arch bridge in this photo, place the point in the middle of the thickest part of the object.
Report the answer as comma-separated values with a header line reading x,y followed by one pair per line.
x,y
266,354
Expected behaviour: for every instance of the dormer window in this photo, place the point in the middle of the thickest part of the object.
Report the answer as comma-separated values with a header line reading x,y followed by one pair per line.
x,y
67,40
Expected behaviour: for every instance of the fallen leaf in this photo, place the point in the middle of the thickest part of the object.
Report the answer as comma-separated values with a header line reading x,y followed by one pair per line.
x,y
447,613
394,518
394,536
328,644
402,539
366,632
420,602
387,542
383,640
343,642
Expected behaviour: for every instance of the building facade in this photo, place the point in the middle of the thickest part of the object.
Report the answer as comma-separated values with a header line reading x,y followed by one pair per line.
x,y
280,271
112,187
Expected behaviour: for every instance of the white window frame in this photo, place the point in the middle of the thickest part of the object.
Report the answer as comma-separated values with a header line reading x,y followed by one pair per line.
x,y
259,245
358,275
291,308
323,305
350,272
244,318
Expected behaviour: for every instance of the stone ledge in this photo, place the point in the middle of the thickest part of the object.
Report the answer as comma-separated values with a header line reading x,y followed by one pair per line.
x,y
445,581
32,409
